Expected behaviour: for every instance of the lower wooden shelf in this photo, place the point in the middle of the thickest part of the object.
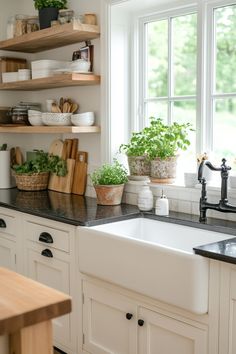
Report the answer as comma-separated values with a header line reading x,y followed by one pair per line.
x,y
49,129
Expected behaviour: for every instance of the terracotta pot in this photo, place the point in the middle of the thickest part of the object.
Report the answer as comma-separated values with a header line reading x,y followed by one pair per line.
x,y
139,166
163,171
109,194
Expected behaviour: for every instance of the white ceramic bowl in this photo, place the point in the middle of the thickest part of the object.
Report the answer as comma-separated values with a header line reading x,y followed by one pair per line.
x,y
83,119
35,117
80,65
56,118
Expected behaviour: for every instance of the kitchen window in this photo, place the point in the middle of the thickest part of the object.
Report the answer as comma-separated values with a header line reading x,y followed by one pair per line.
x,y
187,74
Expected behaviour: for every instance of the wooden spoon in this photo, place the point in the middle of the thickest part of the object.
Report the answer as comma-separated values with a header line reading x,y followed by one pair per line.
x,y
55,108
74,107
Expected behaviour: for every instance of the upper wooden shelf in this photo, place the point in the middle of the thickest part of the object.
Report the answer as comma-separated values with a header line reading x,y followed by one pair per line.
x,y
49,129
49,38
62,80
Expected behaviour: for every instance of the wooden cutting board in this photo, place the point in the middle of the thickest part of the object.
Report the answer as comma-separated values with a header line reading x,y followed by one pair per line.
x,y
80,173
63,184
56,147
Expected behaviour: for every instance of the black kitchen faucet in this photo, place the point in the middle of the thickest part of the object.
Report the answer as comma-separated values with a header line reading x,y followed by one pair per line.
x,y
223,204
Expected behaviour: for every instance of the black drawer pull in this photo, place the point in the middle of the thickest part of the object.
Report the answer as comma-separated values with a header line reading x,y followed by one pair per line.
x,y
141,323
129,316
2,224
47,253
45,237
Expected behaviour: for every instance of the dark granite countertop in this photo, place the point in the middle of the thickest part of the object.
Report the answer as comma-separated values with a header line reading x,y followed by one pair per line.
x,y
68,208
84,211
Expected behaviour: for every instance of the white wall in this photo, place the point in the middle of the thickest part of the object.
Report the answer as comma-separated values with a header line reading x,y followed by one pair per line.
x,y
87,97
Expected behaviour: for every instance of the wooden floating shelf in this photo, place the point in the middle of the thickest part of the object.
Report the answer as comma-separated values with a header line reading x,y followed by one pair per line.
x,y
62,80
49,129
53,37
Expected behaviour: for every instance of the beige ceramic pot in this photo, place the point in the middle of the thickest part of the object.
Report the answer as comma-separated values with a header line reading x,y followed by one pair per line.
x,y
139,166
163,171
109,194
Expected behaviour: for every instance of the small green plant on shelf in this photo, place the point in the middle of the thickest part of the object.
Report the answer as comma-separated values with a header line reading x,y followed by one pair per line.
x,y
137,145
43,162
42,4
110,174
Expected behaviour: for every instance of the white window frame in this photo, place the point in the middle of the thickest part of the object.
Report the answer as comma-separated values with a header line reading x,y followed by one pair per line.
x,y
164,15
210,63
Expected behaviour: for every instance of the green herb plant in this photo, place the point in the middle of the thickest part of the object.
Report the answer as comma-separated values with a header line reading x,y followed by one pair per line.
x,y
163,141
3,147
43,162
41,4
136,146
110,174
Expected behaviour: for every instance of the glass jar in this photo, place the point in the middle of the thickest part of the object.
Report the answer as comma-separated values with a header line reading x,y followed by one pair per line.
x,y
10,27
32,24
65,16
20,25
19,115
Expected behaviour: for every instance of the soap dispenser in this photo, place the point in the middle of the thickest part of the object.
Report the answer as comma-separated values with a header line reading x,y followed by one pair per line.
x,y
145,198
162,205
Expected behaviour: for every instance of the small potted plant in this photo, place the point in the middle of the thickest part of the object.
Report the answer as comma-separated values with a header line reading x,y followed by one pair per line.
x,y
162,145
139,164
108,181
33,175
48,11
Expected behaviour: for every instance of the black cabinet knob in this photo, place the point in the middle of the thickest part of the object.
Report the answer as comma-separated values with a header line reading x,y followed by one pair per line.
x,y
45,237
47,253
2,224
129,316
141,323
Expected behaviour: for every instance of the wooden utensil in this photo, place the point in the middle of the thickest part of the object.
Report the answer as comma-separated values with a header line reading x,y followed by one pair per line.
x,y
55,108
13,156
74,108
19,156
66,107
56,147
80,173
61,102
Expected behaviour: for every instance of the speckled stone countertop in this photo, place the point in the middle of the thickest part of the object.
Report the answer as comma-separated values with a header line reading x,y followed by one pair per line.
x,y
84,211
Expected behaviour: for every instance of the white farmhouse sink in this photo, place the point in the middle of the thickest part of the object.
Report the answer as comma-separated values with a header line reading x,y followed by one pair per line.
x,y
151,257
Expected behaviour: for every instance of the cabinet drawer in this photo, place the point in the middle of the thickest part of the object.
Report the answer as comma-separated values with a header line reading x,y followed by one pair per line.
x,y
49,236
7,223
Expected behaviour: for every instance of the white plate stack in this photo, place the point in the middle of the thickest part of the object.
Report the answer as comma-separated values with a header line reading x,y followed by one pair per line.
x,y
45,68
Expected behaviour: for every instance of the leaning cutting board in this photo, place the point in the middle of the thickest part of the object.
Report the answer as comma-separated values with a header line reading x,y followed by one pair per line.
x,y
80,173
63,184
56,147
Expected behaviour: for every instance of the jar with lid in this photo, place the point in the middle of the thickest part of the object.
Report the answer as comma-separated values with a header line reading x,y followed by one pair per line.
x,y
20,25
19,115
32,24
65,16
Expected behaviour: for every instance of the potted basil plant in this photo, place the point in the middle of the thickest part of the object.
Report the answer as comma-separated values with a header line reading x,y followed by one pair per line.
x,y
163,142
136,152
48,11
108,181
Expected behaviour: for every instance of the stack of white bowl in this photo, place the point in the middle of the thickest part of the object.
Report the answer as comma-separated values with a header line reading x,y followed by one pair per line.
x,y
24,74
35,117
45,68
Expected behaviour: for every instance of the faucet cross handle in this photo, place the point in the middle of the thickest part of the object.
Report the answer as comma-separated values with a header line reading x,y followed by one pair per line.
x,y
224,167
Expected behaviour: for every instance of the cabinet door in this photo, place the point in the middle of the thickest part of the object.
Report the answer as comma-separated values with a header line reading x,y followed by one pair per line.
x,y
160,334
54,273
109,322
7,253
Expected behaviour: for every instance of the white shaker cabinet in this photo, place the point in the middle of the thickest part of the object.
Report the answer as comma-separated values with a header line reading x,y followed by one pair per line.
x,y
49,260
9,234
114,324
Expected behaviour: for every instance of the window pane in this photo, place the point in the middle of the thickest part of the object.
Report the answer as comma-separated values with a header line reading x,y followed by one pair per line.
x,y
157,109
225,24
157,58
224,132
184,37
